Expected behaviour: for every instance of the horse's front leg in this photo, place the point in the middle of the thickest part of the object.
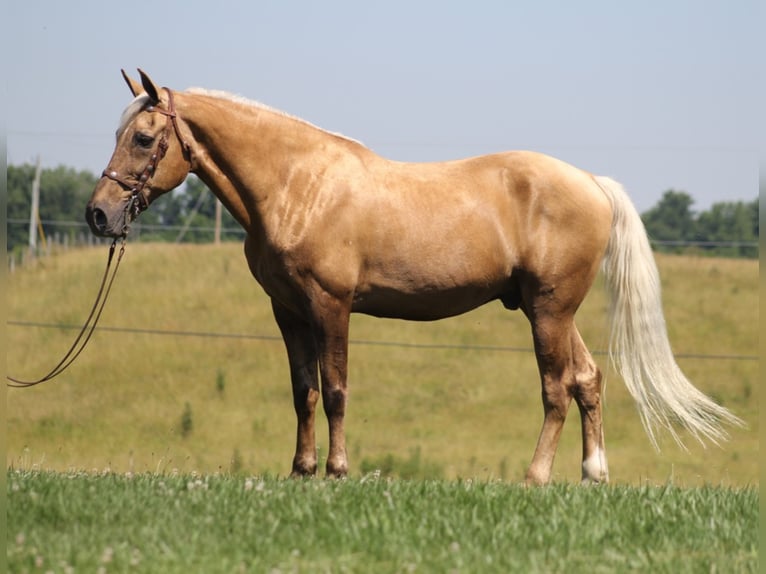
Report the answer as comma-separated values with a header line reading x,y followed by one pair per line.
x,y
331,331
302,354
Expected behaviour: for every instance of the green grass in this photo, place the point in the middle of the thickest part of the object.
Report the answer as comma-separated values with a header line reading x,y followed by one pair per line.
x,y
151,403
162,523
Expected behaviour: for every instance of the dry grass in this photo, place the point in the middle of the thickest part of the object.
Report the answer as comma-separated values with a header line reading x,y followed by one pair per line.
x,y
472,413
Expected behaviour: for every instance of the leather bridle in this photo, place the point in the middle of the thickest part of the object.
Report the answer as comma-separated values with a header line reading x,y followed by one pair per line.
x,y
138,201
135,206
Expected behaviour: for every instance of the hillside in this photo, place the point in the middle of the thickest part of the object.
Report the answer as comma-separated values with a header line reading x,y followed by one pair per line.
x,y
421,403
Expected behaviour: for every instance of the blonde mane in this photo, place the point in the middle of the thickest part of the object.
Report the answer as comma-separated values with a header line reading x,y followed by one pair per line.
x,y
237,99
139,102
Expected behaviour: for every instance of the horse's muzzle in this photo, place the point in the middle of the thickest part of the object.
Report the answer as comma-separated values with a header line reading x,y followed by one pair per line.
x,y
105,224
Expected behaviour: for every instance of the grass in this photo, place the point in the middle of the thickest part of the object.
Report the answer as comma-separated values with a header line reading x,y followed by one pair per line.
x,y
143,403
76,522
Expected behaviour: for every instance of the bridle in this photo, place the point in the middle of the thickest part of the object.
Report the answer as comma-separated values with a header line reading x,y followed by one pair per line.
x,y
135,206
138,201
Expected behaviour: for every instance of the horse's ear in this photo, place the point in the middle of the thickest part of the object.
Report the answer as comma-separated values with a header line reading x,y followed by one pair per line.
x,y
149,87
134,86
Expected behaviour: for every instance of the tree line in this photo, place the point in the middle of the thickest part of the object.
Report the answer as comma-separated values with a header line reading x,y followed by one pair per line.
x,y
64,193
726,229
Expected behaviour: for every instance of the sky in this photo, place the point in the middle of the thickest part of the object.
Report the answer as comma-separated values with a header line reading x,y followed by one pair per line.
x,y
657,94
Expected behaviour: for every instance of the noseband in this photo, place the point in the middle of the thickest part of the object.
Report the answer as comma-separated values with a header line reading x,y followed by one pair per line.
x,y
138,201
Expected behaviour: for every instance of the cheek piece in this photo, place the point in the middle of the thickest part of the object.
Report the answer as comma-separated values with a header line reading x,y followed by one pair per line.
x,y
138,201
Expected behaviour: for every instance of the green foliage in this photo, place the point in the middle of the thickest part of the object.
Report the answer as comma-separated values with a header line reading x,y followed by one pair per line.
x,y
224,523
671,219
63,195
730,222
191,206
187,422
220,382
671,223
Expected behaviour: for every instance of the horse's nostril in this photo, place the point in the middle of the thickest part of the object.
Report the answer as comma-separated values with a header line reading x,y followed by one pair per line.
x,y
97,220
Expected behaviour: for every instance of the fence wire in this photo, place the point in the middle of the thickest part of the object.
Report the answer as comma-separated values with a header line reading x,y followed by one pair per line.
x,y
239,232
364,342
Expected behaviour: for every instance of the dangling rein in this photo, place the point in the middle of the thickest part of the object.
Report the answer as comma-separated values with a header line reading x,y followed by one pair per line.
x,y
135,206
87,329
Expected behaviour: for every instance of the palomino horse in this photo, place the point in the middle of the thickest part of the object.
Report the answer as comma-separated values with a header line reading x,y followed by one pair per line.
x,y
332,228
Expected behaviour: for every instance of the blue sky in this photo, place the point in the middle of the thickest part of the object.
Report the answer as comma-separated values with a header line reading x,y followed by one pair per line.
x,y
657,95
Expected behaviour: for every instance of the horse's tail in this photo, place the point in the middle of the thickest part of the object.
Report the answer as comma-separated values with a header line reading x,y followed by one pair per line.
x,y
638,345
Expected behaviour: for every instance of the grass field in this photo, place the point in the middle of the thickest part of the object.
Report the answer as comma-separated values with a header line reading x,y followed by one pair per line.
x,y
452,399
77,522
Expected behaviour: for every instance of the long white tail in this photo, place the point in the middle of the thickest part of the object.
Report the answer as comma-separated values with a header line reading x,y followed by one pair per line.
x,y
638,346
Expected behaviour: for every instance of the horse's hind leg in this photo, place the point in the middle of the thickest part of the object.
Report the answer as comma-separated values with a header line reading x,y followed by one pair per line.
x,y
567,371
587,395
554,360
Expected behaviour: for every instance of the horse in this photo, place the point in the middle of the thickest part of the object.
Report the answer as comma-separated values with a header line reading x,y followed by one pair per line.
x,y
332,229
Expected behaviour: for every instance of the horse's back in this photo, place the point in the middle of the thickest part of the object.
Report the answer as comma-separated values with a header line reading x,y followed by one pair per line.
x,y
442,238
530,202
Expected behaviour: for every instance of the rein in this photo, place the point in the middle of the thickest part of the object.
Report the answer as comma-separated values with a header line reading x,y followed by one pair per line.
x,y
87,328
135,206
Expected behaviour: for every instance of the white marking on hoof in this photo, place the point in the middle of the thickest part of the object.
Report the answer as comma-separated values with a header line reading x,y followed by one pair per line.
x,y
594,468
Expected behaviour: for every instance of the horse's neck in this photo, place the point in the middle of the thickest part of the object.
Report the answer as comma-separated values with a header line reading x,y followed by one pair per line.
x,y
244,153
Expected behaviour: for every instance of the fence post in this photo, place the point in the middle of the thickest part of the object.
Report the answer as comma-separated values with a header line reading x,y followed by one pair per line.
x,y
34,212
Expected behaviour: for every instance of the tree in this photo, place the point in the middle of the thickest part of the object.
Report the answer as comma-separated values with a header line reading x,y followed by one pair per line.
x,y
64,192
18,203
63,195
734,222
671,219
171,212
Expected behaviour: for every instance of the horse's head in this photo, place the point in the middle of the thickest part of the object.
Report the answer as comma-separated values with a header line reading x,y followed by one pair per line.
x,y
150,158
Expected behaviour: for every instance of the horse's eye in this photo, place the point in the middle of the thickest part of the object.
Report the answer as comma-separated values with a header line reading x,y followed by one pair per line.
x,y
143,140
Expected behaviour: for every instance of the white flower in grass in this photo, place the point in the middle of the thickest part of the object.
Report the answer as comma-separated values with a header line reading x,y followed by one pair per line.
x,y
107,555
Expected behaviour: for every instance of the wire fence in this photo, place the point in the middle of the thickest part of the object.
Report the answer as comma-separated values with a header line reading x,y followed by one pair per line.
x,y
77,234
65,234
363,342
80,231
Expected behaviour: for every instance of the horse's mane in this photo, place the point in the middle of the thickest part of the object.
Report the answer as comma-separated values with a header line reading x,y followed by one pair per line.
x,y
237,99
140,101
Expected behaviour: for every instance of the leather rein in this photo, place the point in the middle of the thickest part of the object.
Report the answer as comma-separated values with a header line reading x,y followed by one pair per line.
x,y
87,329
135,206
